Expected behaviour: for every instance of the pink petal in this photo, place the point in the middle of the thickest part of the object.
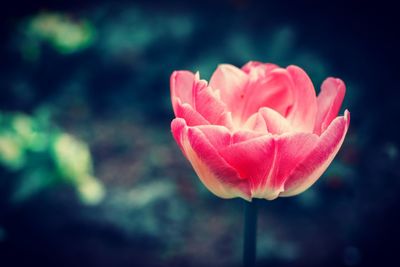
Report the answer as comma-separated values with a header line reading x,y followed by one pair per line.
x,y
215,173
267,161
267,120
178,129
275,122
245,135
329,101
269,86
272,91
226,120
291,150
191,95
182,83
231,82
186,112
218,136
312,167
253,159
209,106
256,122
302,114
256,67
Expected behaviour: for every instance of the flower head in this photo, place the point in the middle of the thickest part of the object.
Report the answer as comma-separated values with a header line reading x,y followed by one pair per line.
x,y
259,131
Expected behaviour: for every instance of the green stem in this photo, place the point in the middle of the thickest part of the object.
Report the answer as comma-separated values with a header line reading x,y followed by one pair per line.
x,y
250,231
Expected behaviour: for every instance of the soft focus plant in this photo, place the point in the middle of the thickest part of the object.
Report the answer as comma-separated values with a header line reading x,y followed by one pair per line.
x,y
40,156
60,31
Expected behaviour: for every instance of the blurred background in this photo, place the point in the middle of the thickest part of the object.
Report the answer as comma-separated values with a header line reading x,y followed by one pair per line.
x,y
89,172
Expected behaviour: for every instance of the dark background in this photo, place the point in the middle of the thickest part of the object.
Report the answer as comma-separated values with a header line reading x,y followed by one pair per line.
x,y
111,92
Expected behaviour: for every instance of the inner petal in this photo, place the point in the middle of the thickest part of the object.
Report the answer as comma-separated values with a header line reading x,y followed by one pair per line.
x,y
272,90
245,91
267,120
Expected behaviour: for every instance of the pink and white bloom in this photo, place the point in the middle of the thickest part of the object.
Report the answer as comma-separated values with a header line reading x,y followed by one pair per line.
x,y
259,131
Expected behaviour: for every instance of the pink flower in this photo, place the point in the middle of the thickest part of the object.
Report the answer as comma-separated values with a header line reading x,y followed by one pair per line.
x,y
259,131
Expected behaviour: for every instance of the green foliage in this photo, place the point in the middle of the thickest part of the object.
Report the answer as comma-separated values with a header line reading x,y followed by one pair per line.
x,y
41,156
64,34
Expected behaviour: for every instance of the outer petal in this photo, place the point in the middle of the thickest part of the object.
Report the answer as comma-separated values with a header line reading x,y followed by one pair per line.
x,y
245,135
253,159
186,112
267,161
215,173
218,136
226,120
291,150
181,84
191,95
178,129
329,101
302,114
208,105
318,160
